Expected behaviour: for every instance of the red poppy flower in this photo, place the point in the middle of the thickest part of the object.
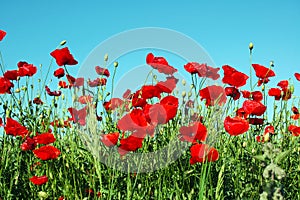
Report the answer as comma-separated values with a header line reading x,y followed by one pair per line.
x,y
213,95
236,126
47,152
97,82
131,143
102,71
257,96
26,69
254,108
133,121
37,101
78,116
39,180
60,72
170,104
167,86
79,82
2,34
85,99
233,92
284,84
203,70
263,72
14,128
63,57
71,79
62,84
110,139
113,104
137,100
1,122
44,138
11,75
54,93
246,94
297,76
296,115
160,64
155,114
5,85
29,144
295,130
202,153
194,132
234,77
275,92
149,91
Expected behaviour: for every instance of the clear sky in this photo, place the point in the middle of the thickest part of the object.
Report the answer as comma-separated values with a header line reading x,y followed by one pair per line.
x,y
223,28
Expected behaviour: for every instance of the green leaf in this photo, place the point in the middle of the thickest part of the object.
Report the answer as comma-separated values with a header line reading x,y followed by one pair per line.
x,y
281,156
260,157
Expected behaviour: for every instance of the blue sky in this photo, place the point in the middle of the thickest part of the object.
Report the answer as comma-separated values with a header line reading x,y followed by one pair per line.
x,y
223,28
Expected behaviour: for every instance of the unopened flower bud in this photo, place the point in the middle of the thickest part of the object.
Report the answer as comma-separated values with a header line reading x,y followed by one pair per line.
x,y
62,43
183,82
116,64
251,46
63,96
292,89
183,94
106,57
263,88
42,195
244,144
272,63
17,90
189,94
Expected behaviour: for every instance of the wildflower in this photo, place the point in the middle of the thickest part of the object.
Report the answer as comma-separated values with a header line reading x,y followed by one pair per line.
x,y
232,92
5,85
14,128
110,139
194,132
234,77
52,93
236,126
213,94
160,64
29,144
97,82
85,99
167,86
203,70
44,138
131,143
2,34
297,76
46,152
60,72
78,116
252,107
202,152
63,57
26,69
102,71
39,180
112,104
263,73
11,75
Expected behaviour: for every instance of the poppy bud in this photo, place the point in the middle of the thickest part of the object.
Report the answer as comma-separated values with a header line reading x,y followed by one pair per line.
x,y
106,57
272,63
154,77
244,144
292,89
253,150
183,94
251,46
42,195
17,90
183,82
62,43
263,88
63,96
116,64
24,88
189,94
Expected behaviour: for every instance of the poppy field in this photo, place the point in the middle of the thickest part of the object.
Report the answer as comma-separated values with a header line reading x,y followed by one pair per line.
x,y
68,137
